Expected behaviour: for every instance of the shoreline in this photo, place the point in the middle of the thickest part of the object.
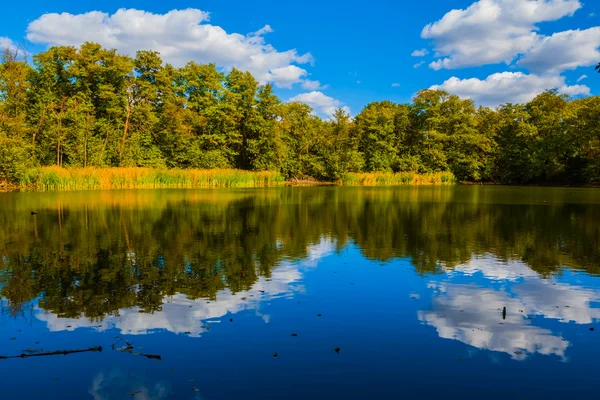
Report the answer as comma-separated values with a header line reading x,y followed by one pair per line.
x,y
45,179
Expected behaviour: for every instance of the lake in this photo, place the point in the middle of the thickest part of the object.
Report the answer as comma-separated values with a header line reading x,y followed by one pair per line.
x,y
464,292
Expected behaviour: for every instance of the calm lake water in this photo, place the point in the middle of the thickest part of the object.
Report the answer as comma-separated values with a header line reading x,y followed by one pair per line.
x,y
361,293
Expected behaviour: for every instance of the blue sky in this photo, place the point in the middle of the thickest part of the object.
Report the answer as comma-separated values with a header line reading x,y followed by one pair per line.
x,y
492,51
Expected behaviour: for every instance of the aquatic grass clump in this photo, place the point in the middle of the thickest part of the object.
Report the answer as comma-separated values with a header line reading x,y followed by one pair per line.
x,y
57,178
397,178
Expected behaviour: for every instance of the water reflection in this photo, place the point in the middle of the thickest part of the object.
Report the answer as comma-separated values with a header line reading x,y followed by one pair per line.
x,y
106,384
473,312
180,314
386,274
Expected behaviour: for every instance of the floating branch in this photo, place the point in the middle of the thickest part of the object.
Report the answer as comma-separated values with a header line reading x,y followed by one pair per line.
x,y
53,353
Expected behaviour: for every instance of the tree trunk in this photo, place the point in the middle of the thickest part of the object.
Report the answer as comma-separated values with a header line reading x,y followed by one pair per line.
x,y
58,156
125,132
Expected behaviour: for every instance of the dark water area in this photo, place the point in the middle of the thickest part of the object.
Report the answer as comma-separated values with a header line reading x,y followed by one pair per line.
x,y
294,293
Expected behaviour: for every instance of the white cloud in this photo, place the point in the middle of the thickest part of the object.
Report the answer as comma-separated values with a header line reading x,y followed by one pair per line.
x,y
8,44
179,35
5,43
563,51
395,84
320,102
582,77
285,77
308,84
508,87
420,53
492,31
419,64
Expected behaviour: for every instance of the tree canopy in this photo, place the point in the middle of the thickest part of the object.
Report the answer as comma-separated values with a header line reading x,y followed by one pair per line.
x,y
91,106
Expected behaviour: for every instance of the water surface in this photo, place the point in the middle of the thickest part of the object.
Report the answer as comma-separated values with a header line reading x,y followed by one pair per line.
x,y
417,292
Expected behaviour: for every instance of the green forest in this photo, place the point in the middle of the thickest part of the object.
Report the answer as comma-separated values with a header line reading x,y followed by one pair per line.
x,y
93,107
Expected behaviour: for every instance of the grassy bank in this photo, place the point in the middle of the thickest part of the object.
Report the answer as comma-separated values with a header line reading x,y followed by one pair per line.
x,y
398,178
56,178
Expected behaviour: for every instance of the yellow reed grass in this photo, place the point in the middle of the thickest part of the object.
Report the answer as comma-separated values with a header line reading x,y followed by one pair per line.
x,y
398,178
57,178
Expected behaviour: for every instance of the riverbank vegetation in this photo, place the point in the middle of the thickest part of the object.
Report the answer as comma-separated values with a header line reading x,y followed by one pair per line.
x,y
59,178
91,107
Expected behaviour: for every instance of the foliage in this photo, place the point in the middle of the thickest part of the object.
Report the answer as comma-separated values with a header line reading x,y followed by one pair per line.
x,y
92,107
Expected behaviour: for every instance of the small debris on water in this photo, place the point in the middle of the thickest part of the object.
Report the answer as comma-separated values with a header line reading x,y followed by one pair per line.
x,y
230,319
319,315
294,334
337,350
518,352
134,393
195,389
592,329
275,355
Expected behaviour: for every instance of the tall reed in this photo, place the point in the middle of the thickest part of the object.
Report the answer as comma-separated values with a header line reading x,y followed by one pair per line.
x,y
57,178
398,178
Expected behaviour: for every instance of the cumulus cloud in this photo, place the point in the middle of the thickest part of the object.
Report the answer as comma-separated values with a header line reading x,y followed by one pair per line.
x,y
563,51
582,77
285,77
8,44
420,53
395,84
419,64
320,102
308,84
492,31
508,87
179,35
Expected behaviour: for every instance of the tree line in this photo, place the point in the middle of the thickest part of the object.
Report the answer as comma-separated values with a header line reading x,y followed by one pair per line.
x,y
90,106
